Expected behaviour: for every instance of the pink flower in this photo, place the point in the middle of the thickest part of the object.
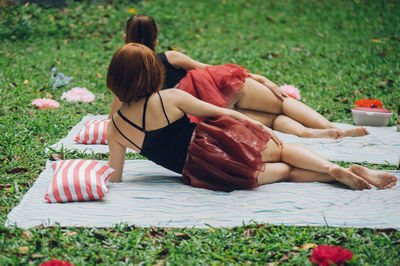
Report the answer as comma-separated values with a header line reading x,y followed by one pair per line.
x,y
291,91
54,262
78,95
45,103
327,255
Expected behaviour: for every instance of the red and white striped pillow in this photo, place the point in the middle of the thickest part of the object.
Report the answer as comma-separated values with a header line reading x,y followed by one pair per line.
x,y
94,132
78,180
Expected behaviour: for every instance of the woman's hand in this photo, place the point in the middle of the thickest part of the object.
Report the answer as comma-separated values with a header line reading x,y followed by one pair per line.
x,y
274,137
278,92
270,85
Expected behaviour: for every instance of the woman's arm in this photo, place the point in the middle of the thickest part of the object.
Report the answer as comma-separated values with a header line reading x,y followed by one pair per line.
x,y
269,84
193,106
117,158
180,60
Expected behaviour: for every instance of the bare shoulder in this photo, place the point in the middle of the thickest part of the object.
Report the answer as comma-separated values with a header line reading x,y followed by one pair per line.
x,y
172,94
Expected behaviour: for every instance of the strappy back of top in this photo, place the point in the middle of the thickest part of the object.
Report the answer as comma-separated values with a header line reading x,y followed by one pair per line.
x,y
166,146
143,128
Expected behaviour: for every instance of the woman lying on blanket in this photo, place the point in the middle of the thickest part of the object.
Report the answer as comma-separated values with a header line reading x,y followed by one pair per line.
x,y
232,85
227,151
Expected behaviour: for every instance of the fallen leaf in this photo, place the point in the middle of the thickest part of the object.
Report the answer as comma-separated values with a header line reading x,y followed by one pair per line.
x,y
17,170
27,235
16,157
284,258
248,232
183,235
57,156
36,256
295,49
12,84
376,40
131,10
70,233
26,82
49,95
197,36
308,246
23,250
99,75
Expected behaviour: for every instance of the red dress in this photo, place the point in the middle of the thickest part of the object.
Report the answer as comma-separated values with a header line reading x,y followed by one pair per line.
x,y
218,85
225,155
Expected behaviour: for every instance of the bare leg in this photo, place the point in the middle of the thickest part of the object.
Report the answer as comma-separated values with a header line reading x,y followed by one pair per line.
x,y
277,172
355,132
288,125
256,96
266,119
378,179
304,114
300,157
302,175
274,172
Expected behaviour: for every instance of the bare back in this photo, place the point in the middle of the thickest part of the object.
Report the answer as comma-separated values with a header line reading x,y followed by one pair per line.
x,y
154,119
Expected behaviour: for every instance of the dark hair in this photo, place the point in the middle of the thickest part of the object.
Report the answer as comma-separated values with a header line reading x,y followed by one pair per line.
x,y
134,72
141,29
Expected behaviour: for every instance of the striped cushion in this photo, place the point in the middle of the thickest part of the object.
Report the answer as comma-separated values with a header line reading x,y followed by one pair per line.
x,y
78,180
94,132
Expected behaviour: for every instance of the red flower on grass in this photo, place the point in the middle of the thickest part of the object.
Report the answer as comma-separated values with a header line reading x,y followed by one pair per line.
x,y
327,255
372,103
54,262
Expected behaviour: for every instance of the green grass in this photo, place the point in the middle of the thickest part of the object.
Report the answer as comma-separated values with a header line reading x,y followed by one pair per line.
x,y
335,51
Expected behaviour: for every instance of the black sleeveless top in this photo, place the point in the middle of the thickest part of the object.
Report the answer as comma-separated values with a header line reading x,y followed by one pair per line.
x,y
165,146
172,74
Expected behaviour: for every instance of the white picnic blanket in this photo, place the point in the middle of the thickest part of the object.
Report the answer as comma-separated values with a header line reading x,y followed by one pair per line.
x,y
382,146
153,196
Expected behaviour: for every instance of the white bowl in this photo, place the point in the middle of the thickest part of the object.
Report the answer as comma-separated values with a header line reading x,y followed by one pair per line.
x,y
376,117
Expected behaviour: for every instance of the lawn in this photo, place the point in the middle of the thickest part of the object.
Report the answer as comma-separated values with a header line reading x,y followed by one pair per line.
x,y
335,52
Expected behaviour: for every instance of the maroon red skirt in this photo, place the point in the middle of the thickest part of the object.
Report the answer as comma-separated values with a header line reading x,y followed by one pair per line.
x,y
218,85
225,155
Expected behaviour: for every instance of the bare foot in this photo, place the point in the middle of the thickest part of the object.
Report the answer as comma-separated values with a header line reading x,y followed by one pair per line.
x,y
376,178
355,132
331,133
348,178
